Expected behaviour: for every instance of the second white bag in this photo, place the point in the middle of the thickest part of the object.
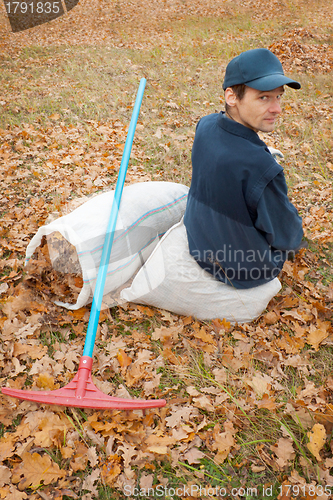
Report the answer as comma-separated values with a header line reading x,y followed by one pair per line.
x,y
172,280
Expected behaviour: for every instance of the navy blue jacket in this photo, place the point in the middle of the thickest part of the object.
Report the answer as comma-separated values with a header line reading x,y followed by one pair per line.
x,y
240,223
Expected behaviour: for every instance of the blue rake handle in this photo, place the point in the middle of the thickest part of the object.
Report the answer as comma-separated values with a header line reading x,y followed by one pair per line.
x,y
103,267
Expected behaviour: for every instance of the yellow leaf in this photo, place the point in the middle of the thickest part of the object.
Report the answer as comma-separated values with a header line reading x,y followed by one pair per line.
x,y
45,381
204,336
317,439
123,358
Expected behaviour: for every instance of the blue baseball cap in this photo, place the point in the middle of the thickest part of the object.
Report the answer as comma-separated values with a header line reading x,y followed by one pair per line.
x,y
259,69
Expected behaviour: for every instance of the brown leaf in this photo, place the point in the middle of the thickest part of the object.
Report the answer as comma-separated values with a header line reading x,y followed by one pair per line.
x,y
35,469
146,481
203,402
90,480
221,325
317,335
146,311
284,451
193,456
205,337
111,469
270,318
167,335
54,117
266,402
7,445
260,383
223,441
14,494
5,475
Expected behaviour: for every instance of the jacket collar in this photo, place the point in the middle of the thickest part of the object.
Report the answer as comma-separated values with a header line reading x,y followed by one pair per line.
x,y
236,128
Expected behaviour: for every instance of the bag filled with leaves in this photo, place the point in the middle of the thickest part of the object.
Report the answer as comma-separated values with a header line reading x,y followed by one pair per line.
x,y
63,257
171,279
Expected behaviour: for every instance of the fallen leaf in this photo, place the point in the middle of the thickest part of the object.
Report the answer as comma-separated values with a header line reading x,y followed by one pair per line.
x,y
317,335
90,480
36,469
284,451
260,383
5,475
193,456
123,358
317,440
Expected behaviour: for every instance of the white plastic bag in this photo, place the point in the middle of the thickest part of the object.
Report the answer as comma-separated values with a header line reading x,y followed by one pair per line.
x,y
172,280
147,210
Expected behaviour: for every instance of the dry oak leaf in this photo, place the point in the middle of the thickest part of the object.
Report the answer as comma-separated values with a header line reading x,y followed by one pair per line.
x,y
5,475
284,451
7,446
159,444
260,383
12,493
48,428
266,402
223,441
36,469
123,358
33,351
270,318
45,381
203,402
89,481
167,334
111,469
205,337
92,456
129,452
146,481
193,456
180,415
317,439
317,335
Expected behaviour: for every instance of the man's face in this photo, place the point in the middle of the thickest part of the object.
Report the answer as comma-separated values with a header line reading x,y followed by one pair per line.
x,y
257,110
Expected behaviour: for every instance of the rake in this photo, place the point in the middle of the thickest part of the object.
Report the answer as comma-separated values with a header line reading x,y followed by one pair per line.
x,y
81,391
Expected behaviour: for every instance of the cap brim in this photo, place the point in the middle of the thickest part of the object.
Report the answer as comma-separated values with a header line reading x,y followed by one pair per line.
x,y
272,82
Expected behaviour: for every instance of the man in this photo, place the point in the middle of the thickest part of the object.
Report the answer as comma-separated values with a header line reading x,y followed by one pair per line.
x,y
239,221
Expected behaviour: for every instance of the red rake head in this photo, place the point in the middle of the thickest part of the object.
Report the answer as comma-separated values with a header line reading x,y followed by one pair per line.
x,y
82,393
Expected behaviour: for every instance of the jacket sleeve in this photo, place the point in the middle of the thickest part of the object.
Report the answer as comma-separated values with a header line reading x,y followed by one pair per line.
x,y
277,218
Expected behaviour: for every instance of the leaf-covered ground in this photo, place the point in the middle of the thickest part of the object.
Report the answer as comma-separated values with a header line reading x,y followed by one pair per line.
x,y
249,409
